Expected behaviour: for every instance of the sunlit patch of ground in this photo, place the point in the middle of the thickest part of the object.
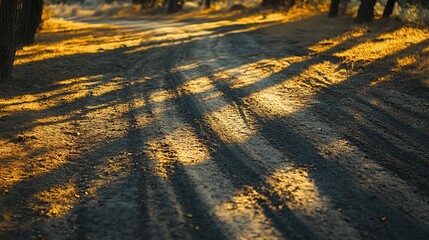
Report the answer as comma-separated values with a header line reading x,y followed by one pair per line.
x,y
56,201
46,100
385,44
78,108
75,38
243,208
407,69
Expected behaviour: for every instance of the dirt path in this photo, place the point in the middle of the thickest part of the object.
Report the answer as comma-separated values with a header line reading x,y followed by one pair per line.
x,y
246,127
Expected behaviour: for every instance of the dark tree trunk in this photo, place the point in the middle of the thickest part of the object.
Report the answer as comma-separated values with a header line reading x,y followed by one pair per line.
x,y
345,5
389,8
145,4
333,10
171,6
365,12
23,23
275,4
29,21
180,4
265,3
8,24
19,21
174,6
7,56
35,20
289,3
207,3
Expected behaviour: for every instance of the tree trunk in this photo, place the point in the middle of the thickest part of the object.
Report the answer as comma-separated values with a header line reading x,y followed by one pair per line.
x,y
207,3
7,56
35,19
289,3
333,10
180,4
344,6
8,24
172,6
19,21
389,8
275,4
23,23
265,3
365,12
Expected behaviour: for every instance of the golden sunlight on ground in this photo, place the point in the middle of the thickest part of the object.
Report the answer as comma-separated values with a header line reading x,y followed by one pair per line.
x,y
198,86
221,114
296,189
35,152
244,208
199,31
179,144
50,139
252,73
385,45
73,89
173,114
56,201
402,62
326,44
230,125
92,39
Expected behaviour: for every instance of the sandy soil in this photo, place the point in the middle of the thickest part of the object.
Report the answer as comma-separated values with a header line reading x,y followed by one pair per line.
x,y
266,126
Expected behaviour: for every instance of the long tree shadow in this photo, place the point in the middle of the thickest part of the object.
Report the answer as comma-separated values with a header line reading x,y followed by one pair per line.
x,y
381,136
408,164
100,64
378,204
231,158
